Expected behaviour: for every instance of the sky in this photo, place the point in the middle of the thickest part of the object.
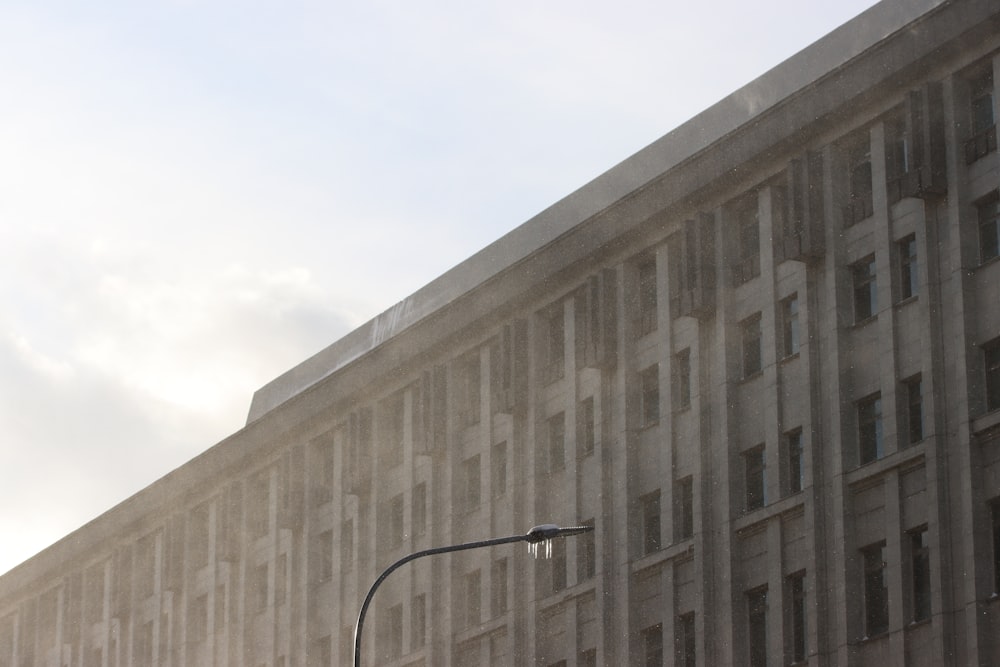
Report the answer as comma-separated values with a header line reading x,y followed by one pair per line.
x,y
195,196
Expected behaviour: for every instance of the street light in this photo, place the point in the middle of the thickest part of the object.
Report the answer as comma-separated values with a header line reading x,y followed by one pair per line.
x,y
536,535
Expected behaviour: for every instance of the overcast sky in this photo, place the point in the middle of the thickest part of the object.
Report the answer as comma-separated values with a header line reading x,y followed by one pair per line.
x,y
197,195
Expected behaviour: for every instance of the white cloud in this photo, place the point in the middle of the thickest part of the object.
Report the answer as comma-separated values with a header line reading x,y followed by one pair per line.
x,y
197,196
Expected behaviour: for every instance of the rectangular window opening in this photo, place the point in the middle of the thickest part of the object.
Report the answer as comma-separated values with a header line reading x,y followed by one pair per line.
x,y
865,289
876,590
756,479
750,337
870,444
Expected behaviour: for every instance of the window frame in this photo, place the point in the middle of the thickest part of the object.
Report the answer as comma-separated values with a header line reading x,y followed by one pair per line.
x,y
555,433
795,460
682,380
473,598
864,289
798,618
871,437
472,491
875,590
915,414
756,604
685,640
909,278
991,374
418,622
498,469
920,574
652,645
649,396
988,227
646,296
684,505
791,339
755,477
995,523
586,432
651,523
586,553
751,346
499,585
747,265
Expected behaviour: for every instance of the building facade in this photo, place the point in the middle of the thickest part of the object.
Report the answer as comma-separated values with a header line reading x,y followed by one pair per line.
x,y
761,357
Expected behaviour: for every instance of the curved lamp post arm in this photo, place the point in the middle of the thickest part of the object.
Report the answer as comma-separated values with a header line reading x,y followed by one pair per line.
x,y
533,536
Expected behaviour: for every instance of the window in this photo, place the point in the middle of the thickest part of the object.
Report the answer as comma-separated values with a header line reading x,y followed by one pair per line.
x,y
756,483
682,379
220,607
649,381
469,390
685,642
747,265
499,649
757,626
199,536
326,555
198,619
751,345
555,344
498,587
259,588
983,137
647,297
586,554
797,618
914,409
865,295
322,652
875,590
920,572
393,628
346,545
907,249
418,622
896,155
498,465
650,507
557,442
988,220
652,646
281,578
470,475
793,455
259,501
870,429
558,565
419,508
323,491
684,509
859,173
585,417
790,325
396,521
391,430
981,102
995,515
991,362
473,598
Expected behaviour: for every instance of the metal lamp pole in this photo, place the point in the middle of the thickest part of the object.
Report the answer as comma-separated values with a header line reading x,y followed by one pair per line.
x,y
537,534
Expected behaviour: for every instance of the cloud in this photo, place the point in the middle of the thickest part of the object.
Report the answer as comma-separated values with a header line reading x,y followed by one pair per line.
x,y
153,372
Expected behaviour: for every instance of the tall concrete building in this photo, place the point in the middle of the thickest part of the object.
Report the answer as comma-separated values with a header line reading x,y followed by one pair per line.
x,y
761,357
